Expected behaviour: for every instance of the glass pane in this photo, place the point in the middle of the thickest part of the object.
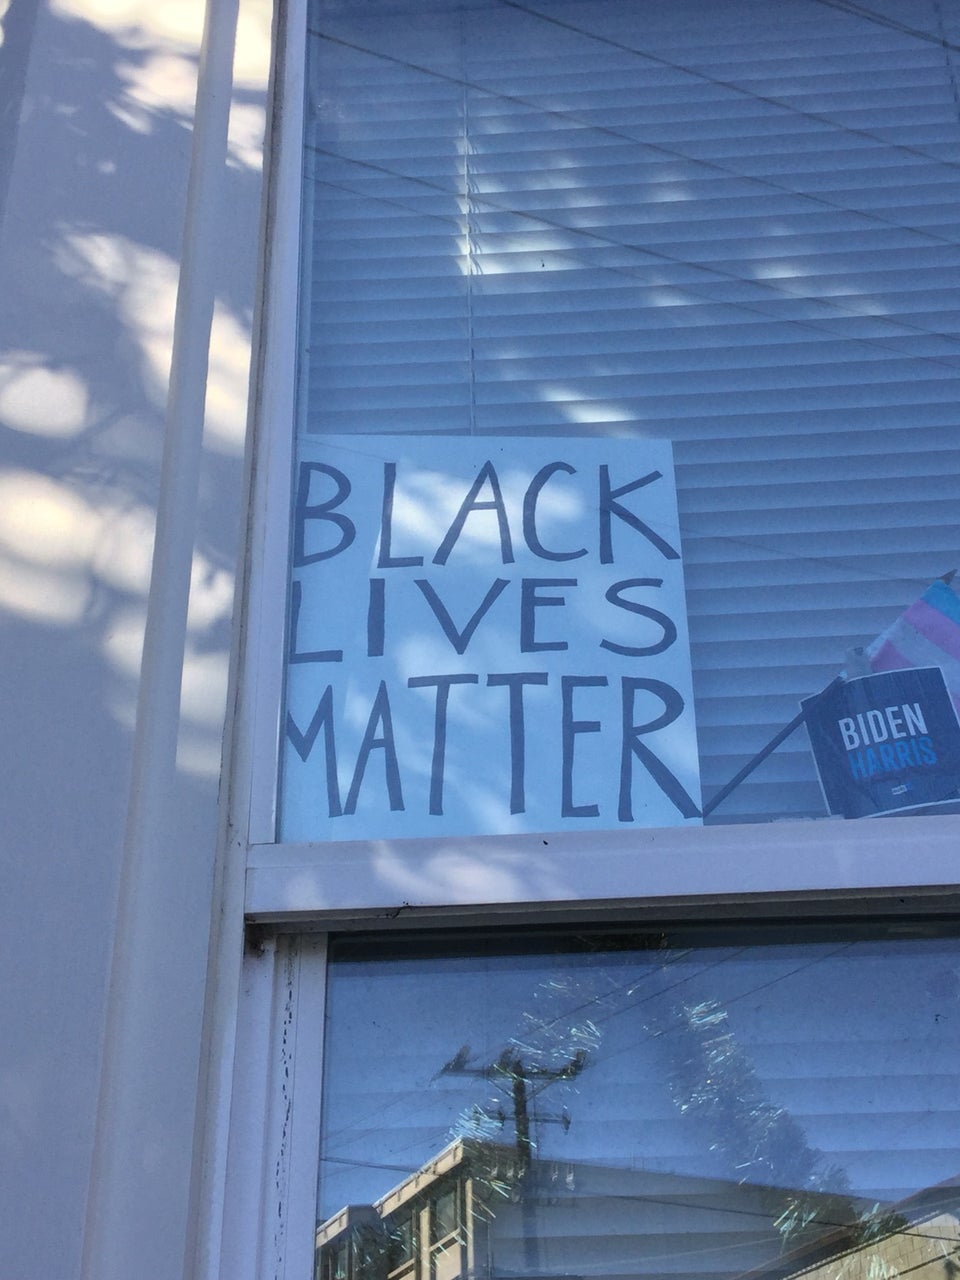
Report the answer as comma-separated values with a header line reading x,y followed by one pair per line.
x,y
684,1104
722,234
444,1215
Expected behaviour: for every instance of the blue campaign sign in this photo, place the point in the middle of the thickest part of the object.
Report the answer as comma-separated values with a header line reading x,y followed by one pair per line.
x,y
485,637
885,743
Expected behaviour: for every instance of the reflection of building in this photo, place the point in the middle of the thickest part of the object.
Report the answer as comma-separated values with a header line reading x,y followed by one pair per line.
x,y
919,1237
471,1212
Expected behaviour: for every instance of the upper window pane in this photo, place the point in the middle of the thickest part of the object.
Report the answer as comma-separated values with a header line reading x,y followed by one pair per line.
x,y
727,231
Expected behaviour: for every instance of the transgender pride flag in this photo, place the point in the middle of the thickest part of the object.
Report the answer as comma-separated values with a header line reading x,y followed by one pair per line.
x,y
925,635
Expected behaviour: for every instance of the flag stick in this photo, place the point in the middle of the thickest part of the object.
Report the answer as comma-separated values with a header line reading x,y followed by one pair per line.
x,y
769,749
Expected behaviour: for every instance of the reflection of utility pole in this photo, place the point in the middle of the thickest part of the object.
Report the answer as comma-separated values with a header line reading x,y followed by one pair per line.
x,y
521,1075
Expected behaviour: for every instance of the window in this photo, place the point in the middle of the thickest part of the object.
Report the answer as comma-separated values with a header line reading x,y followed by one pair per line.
x,y
444,1215
762,1099
401,1251
538,228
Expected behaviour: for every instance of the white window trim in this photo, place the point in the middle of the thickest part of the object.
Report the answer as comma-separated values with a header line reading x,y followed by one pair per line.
x,y
289,882
269,1209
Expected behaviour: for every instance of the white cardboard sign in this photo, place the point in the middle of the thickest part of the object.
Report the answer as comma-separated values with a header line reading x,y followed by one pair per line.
x,y
486,636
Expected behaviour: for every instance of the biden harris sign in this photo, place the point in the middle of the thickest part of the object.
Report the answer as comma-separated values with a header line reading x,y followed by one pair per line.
x,y
885,743
485,637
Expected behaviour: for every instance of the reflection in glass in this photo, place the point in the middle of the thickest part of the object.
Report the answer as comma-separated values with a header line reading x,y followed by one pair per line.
x,y
642,1105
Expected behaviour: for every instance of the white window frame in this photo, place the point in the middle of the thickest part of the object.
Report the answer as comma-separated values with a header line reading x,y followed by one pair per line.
x,y
263,1118
266,1209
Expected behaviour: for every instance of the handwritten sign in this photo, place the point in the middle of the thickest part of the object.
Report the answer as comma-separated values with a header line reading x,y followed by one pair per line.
x,y
485,636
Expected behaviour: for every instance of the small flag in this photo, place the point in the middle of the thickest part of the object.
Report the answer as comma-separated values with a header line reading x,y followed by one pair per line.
x,y
887,738
927,634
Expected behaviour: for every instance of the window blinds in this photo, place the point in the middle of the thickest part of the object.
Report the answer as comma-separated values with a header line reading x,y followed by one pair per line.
x,y
733,226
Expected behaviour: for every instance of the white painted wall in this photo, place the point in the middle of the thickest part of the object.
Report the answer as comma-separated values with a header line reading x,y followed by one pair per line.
x,y
96,111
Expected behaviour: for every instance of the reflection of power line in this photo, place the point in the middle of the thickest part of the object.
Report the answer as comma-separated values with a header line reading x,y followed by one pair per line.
x,y
418,1092
666,960
521,1076
405,1169
911,1232
892,24
728,86
417,1100
658,255
707,269
658,148
641,249
743,995
637,273
732,87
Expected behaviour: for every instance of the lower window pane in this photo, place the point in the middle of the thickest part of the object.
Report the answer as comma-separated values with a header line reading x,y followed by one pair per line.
x,y
688,1103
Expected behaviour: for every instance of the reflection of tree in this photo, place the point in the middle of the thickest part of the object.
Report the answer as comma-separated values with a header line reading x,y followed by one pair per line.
x,y
711,1081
